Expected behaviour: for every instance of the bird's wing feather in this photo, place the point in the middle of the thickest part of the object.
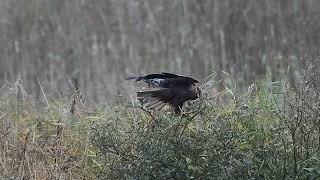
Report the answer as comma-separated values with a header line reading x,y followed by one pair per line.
x,y
163,95
156,98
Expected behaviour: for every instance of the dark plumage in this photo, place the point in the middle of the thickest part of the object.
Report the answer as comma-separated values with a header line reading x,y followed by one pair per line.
x,y
167,88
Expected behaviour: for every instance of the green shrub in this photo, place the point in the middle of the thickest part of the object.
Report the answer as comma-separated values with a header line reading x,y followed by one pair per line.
x,y
250,136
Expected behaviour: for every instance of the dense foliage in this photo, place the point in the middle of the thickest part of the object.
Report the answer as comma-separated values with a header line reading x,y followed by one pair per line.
x,y
254,136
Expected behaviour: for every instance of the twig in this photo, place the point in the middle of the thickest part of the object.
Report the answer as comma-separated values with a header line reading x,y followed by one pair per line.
x,y
44,95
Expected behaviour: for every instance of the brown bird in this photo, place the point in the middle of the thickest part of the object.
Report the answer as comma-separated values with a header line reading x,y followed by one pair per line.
x,y
167,88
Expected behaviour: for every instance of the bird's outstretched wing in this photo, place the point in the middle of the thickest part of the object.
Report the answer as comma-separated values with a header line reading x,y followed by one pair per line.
x,y
156,98
165,80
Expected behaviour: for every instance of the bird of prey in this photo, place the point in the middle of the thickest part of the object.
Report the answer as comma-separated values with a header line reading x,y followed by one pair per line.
x,y
167,88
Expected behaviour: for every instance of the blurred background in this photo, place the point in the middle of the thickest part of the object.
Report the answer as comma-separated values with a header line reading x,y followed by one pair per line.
x,y
99,43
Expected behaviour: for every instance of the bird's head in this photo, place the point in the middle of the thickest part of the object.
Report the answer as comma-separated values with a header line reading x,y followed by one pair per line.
x,y
196,93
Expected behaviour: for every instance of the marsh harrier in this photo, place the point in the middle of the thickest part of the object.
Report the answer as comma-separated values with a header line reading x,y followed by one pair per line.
x,y
167,88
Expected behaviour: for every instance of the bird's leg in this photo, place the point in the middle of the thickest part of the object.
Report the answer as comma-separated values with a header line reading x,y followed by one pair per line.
x,y
177,110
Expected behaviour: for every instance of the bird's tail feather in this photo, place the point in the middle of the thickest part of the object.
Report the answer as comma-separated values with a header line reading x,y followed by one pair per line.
x,y
137,78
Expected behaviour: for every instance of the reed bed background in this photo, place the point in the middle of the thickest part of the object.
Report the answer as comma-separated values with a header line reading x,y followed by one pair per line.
x,y
100,43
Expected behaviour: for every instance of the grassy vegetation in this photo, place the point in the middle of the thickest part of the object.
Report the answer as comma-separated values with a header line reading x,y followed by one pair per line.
x,y
269,131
